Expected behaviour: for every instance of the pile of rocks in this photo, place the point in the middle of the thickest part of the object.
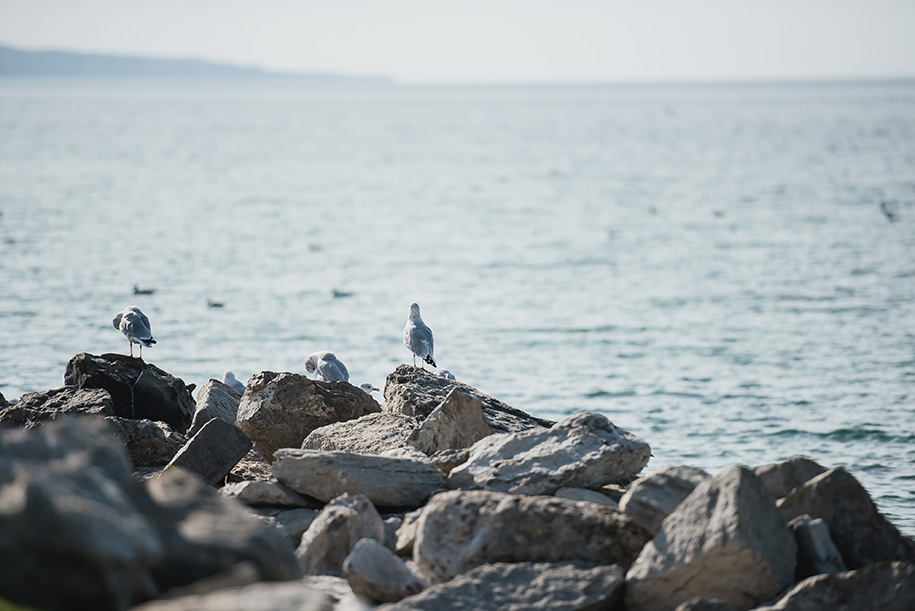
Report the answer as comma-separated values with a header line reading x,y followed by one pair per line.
x,y
302,494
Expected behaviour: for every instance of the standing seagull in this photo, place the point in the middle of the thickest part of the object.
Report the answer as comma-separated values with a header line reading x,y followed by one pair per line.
x,y
417,336
326,367
134,324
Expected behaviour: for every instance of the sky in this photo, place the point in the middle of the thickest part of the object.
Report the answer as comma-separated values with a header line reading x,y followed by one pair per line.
x,y
485,41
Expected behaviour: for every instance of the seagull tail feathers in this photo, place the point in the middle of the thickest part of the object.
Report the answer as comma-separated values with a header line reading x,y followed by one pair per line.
x,y
148,342
430,360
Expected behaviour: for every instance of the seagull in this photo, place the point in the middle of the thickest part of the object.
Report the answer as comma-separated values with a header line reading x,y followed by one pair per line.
x,y
138,291
368,388
417,336
446,374
326,367
134,324
229,379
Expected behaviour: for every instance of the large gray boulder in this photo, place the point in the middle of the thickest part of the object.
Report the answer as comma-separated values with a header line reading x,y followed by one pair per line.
x,y
862,534
265,493
459,530
456,423
138,389
885,586
35,408
653,497
727,540
416,392
585,450
215,400
782,477
212,451
377,574
523,586
279,410
334,533
387,481
370,434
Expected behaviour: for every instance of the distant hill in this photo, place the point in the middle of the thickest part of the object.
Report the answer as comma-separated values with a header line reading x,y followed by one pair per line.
x,y
14,62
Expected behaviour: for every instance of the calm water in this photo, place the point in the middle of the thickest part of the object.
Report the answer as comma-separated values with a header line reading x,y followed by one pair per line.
x,y
709,266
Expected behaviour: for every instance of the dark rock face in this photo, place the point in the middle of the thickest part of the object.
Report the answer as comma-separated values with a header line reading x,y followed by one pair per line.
x,y
36,408
138,390
416,392
149,443
213,451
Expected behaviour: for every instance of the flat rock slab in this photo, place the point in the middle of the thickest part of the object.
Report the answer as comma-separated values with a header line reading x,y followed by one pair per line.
x,y
416,392
585,450
285,596
862,534
653,497
782,477
138,389
35,408
215,400
213,451
521,587
370,434
376,573
261,493
727,540
334,533
279,410
292,523
456,423
460,530
388,482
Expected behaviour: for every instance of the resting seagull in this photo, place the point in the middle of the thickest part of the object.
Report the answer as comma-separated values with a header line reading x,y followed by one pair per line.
x,y
134,324
229,379
326,367
417,337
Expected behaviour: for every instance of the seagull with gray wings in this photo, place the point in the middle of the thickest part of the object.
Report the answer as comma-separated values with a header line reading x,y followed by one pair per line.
x,y
135,326
326,367
417,337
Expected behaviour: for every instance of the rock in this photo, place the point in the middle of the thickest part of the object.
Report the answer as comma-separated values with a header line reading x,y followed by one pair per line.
x,y
370,434
203,533
335,587
279,410
259,493
242,574
885,586
407,452
251,467
35,408
149,443
447,460
331,537
292,523
215,400
376,573
705,604
71,535
783,477
651,498
286,596
861,533
727,540
388,482
3,401
585,450
816,551
456,423
459,530
138,389
416,392
406,533
213,451
521,587
586,495
391,525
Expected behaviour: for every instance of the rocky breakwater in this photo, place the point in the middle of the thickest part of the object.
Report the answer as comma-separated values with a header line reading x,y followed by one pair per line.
x,y
309,495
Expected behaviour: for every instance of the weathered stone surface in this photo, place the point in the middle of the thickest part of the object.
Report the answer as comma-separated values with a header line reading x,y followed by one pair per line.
x,y
331,537
138,389
585,450
378,574
782,477
370,434
885,586
816,551
389,482
415,392
279,410
3,401
586,495
447,460
292,523
204,533
286,596
456,423
728,526
35,408
522,587
862,534
251,467
260,493
459,530
705,604
391,525
651,498
149,443
213,451
215,400
406,533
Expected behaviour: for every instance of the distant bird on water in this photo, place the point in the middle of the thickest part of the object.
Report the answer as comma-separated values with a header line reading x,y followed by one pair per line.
x,y
214,304
135,326
138,291
229,379
326,367
887,209
417,337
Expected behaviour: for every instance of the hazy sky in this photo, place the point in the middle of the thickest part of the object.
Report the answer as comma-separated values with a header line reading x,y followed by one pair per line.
x,y
492,40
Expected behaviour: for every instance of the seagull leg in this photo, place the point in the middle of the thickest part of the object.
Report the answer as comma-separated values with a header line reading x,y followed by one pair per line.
x,y
130,343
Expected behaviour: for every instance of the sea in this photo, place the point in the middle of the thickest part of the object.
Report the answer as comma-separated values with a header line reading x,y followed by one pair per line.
x,y
725,270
